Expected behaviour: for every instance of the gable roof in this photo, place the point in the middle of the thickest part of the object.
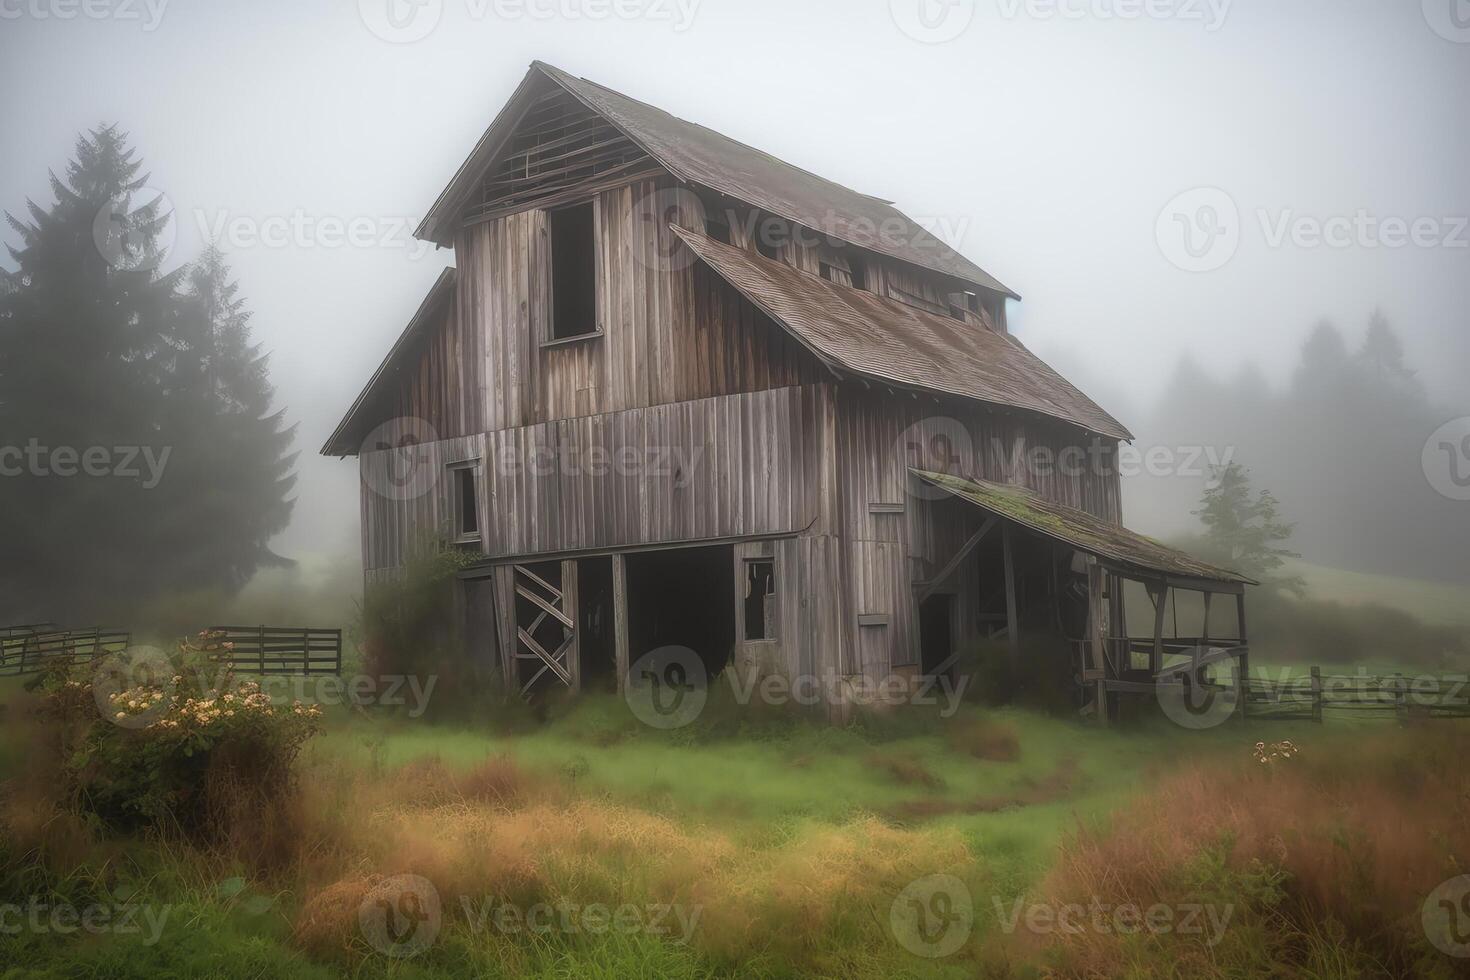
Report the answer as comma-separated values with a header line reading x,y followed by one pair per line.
x,y
882,338
355,426
1112,543
701,156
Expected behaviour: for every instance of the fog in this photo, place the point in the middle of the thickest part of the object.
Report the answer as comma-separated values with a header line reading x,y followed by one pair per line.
x,y
1047,143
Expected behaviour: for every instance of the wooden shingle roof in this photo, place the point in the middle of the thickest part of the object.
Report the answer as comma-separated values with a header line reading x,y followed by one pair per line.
x,y
890,341
1112,543
703,157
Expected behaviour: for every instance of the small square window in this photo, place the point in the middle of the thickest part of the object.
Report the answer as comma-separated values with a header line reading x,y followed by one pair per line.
x,y
760,599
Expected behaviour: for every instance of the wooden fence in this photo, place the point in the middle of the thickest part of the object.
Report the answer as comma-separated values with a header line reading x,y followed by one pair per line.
x,y
280,649
1312,695
36,647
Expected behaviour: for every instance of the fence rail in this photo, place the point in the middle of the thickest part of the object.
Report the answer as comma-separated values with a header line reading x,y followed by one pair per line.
x,y
34,648
1312,695
280,649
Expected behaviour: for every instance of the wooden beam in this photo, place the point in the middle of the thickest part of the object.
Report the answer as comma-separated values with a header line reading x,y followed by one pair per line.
x,y
1243,665
554,612
1160,597
1097,636
571,604
503,584
529,642
620,617
933,584
1013,619
523,570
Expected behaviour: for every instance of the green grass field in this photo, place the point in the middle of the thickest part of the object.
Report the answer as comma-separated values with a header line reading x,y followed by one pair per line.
x,y
763,799
1437,603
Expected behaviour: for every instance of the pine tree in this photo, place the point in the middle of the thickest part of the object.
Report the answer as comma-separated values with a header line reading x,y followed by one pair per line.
x,y
101,351
238,447
1245,530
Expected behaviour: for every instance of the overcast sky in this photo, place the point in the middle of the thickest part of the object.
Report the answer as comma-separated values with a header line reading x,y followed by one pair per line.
x,y
1051,142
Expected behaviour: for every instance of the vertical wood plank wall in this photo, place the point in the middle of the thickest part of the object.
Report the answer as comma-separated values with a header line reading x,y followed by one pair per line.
x,y
758,440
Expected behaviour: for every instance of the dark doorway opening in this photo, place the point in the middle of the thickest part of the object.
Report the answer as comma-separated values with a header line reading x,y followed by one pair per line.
x,y
598,656
936,633
683,597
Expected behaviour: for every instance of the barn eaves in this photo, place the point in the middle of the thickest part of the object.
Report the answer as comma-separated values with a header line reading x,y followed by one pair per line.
x,y
876,337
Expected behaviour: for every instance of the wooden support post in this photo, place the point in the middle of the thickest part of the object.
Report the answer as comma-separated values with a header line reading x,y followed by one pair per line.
x,y
1243,664
620,617
1013,619
1097,636
1161,605
1317,694
571,606
504,586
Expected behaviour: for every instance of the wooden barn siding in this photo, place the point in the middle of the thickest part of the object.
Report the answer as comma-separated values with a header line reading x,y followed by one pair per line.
x,y
672,329
884,554
807,608
724,467
393,529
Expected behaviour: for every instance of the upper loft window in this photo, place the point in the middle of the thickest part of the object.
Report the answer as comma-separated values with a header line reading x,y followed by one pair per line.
x,y
845,268
573,273
768,234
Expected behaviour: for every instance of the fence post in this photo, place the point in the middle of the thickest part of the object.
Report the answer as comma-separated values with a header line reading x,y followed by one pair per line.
x,y
1401,697
1317,694
260,651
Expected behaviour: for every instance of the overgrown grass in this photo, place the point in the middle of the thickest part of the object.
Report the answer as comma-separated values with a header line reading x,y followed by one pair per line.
x,y
791,837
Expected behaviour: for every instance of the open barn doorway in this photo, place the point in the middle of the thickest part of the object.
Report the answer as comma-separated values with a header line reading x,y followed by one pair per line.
x,y
683,597
936,634
597,653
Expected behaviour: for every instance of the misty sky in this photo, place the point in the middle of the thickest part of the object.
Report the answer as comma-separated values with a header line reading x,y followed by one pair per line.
x,y
1044,144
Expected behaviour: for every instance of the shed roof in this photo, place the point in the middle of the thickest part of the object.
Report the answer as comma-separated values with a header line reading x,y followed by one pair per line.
x,y
701,156
1112,543
882,338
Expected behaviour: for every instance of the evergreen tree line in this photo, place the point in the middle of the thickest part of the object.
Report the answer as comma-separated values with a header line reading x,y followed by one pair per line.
x,y
1340,450
139,451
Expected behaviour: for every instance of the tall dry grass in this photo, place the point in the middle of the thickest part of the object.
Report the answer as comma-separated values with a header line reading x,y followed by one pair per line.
x,y
495,832
1325,857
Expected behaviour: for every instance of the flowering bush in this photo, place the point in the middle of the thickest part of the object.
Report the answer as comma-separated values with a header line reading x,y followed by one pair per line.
x,y
176,741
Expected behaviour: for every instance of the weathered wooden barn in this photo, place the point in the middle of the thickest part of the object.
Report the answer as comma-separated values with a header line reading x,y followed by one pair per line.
x,y
677,391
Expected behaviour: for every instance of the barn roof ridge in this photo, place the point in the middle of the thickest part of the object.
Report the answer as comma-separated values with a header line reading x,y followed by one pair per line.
x,y
697,154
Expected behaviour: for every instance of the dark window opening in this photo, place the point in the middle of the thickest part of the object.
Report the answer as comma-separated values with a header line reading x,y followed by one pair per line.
x,y
760,599
829,273
858,271
717,226
467,503
769,233
573,273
